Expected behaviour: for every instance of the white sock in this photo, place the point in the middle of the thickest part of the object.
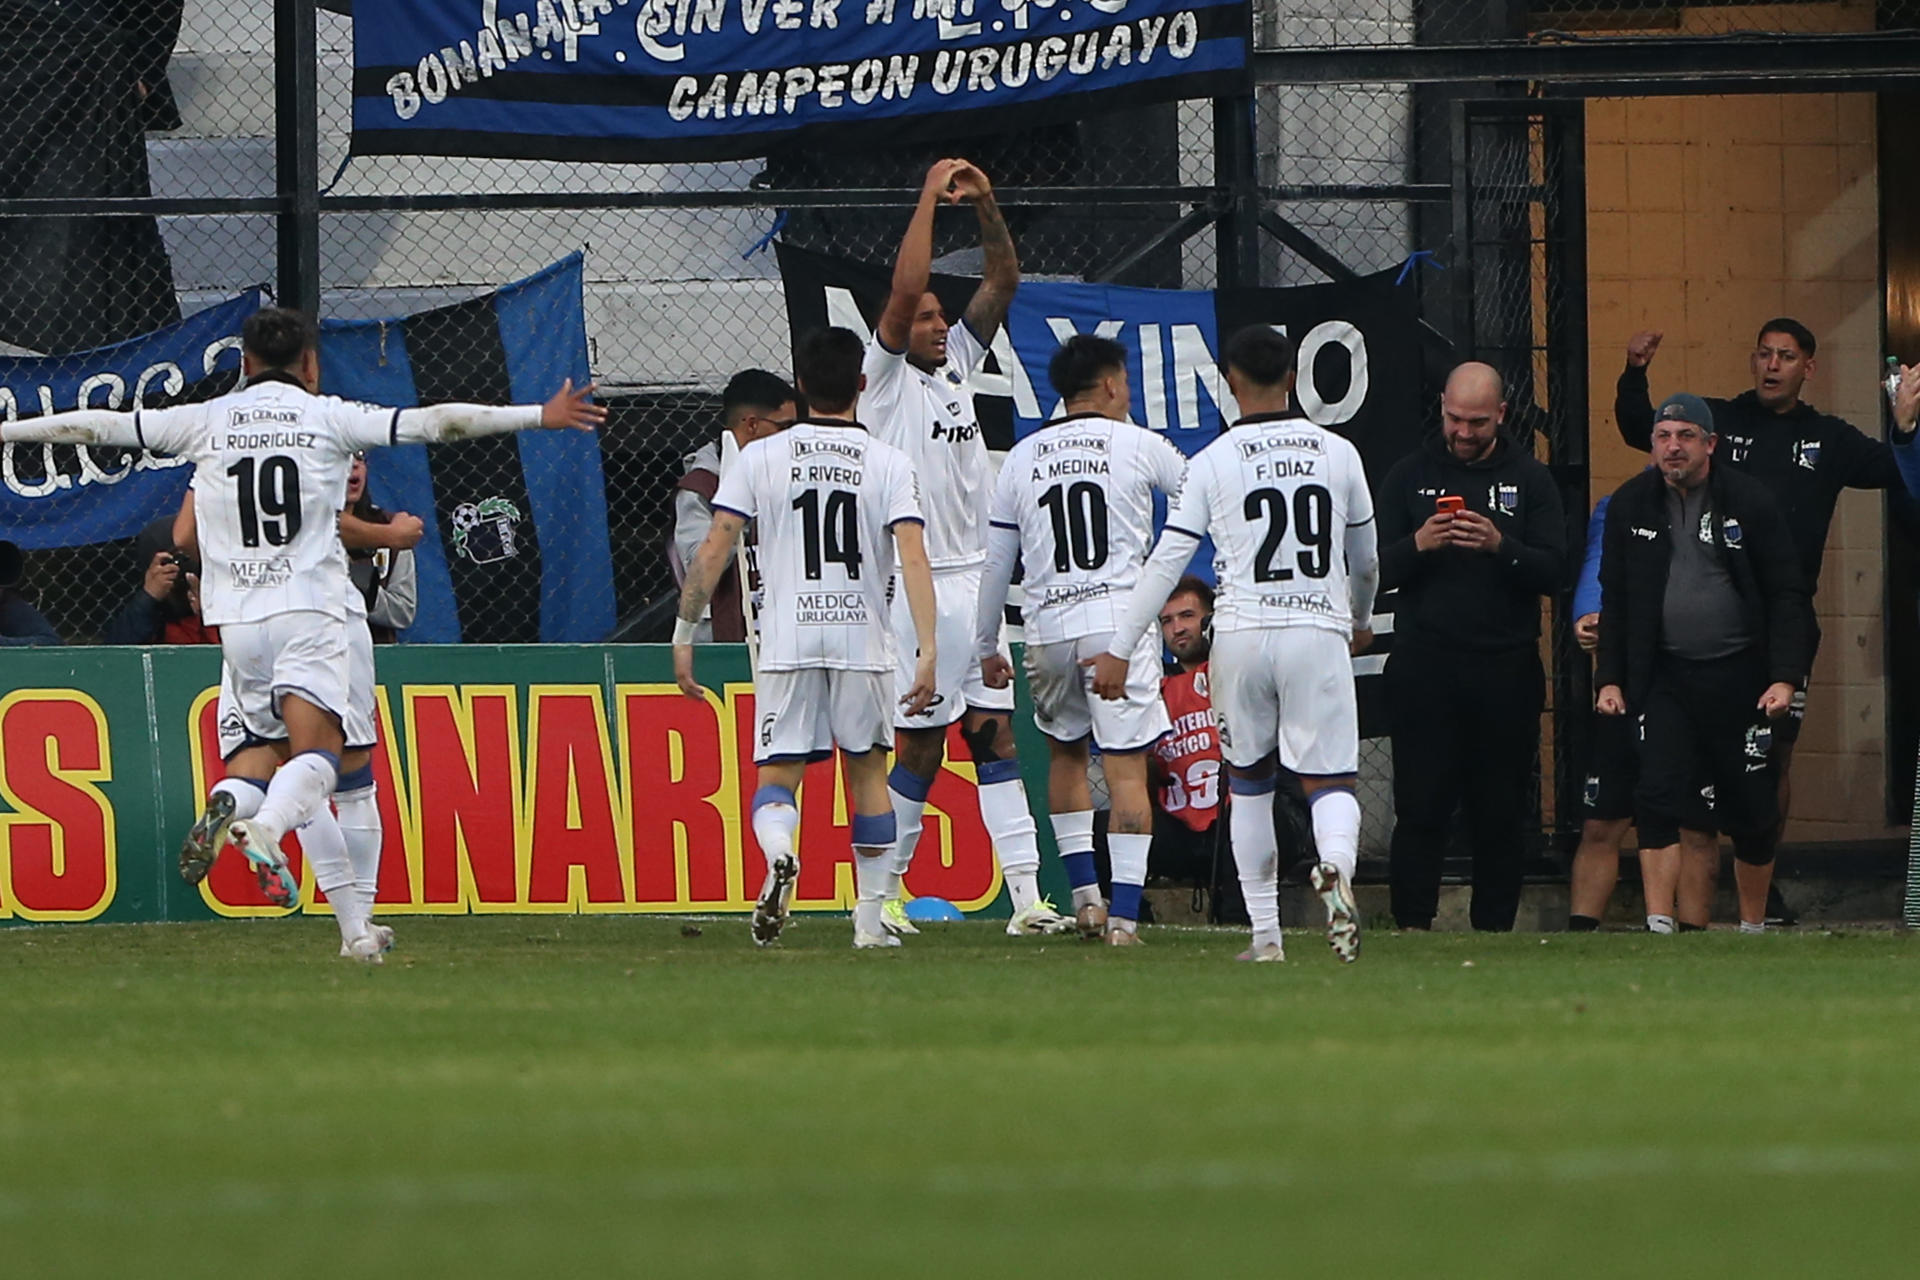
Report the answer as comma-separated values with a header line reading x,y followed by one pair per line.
x,y
1753,926
872,869
1659,924
1016,841
773,827
247,798
908,816
1257,857
299,791
326,851
1336,828
1073,834
359,812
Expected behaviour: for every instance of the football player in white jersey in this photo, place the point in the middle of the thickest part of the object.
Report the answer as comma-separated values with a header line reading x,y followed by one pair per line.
x,y
917,399
1074,501
1292,524
270,477
830,506
343,851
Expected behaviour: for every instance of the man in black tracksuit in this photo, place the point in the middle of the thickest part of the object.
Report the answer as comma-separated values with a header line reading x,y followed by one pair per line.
x,y
1464,682
1803,457
1706,630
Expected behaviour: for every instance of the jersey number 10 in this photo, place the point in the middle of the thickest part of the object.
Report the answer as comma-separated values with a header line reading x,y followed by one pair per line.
x,y
831,531
1079,514
277,495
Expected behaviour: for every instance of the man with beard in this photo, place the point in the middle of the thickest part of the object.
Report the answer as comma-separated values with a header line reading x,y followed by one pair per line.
x,y
1471,534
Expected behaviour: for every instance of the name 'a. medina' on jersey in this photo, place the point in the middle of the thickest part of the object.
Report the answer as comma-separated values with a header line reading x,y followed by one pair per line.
x,y
1079,491
824,497
1278,495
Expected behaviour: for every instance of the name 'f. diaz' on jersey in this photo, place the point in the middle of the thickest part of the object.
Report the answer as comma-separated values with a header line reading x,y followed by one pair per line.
x,y
1079,492
930,418
269,480
1278,495
824,497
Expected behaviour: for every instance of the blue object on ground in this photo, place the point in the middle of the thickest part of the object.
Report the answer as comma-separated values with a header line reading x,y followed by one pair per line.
x,y
934,910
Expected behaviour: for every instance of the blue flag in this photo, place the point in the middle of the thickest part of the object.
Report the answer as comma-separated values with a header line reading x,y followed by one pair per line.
x,y
71,495
517,548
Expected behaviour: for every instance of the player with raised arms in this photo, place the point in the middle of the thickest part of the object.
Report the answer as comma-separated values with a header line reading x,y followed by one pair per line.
x,y
270,478
917,399
1292,524
1075,501
831,505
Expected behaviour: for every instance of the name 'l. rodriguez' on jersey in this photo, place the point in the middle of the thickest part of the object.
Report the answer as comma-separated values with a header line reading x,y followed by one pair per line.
x,y
1278,495
1079,494
824,497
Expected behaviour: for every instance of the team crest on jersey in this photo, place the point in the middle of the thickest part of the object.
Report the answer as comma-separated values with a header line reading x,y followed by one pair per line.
x,y
1807,453
1593,791
1200,685
1730,529
1759,741
487,531
1706,527
1507,498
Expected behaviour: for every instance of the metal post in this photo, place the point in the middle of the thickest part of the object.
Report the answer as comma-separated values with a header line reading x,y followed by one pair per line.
x,y
1236,176
296,127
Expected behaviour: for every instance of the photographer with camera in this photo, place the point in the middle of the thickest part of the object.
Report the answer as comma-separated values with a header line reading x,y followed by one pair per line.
x,y
165,608
20,623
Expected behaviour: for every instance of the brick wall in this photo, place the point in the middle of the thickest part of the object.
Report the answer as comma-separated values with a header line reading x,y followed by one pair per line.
x,y
1707,216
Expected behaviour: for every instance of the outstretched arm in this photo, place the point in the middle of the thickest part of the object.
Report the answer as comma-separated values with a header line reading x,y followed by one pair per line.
x,y
914,264
76,426
445,422
708,563
1000,272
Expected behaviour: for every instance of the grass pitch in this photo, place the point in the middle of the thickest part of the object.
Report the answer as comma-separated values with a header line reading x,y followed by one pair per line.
x,y
605,1097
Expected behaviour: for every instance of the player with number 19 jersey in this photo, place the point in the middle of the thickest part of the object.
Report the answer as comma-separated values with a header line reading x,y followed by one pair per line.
x,y
1074,501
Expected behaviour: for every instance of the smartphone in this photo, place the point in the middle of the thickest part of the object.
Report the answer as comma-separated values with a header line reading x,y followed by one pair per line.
x,y
1451,504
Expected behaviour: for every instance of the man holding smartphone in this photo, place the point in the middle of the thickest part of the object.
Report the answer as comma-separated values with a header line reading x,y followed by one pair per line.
x,y
1471,536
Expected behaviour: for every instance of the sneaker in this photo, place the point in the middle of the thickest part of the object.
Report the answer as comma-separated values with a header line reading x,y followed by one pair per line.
x,y
1124,938
1092,921
380,933
202,844
1037,919
367,949
866,941
1263,953
269,864
1343,917
770,911
893,915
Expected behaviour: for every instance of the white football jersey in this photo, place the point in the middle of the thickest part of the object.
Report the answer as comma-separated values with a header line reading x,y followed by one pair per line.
x,y
1080,492
1278,496
270,477
824,498
930,418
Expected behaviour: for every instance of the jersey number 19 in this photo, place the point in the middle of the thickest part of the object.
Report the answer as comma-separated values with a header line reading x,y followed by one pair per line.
x,y
276,495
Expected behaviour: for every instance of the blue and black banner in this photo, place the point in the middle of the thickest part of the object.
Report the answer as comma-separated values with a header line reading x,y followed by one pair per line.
x,y
521,552
658,80
64,495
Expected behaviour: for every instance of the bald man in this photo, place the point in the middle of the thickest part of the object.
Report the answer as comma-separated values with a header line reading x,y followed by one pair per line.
x,y
1464,681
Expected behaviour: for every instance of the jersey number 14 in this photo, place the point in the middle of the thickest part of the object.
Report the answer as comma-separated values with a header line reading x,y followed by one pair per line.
x,y
830,531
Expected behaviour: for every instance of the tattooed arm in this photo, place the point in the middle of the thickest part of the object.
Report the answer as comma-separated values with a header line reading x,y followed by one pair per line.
x,y
1000,274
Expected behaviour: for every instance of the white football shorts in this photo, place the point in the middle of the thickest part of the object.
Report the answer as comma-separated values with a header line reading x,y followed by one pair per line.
x,y
957,683
805,714
306,653
1066,708
1290,688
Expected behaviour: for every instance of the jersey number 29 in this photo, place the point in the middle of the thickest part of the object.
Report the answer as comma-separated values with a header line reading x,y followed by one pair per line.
x,y
276,495
1312,529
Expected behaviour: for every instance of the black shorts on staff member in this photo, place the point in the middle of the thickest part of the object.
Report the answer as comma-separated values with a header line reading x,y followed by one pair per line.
x,y
1706,630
